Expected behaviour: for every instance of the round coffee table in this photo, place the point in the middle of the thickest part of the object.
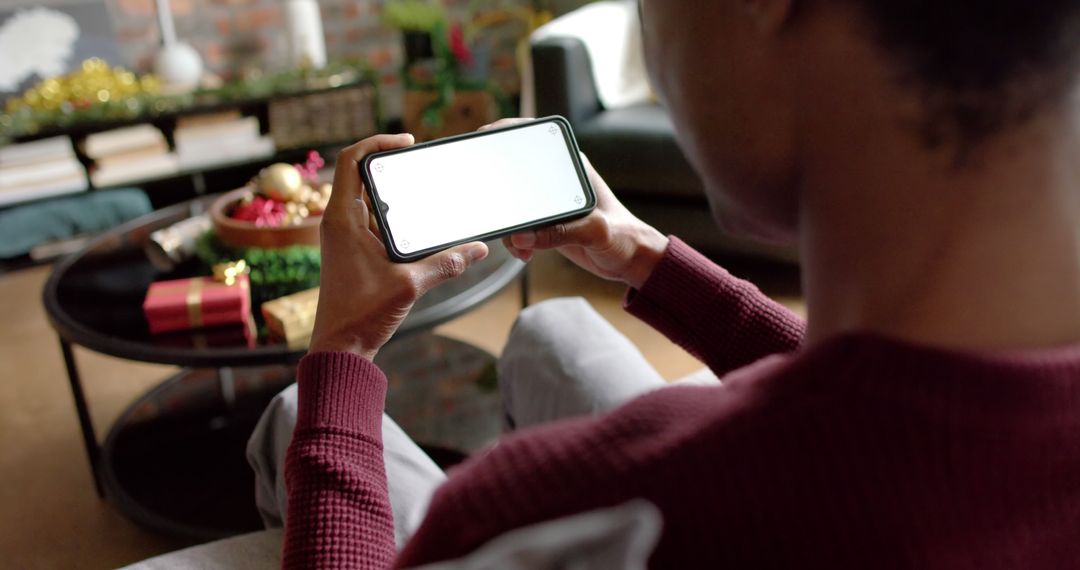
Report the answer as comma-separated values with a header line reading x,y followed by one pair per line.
x,y
174,461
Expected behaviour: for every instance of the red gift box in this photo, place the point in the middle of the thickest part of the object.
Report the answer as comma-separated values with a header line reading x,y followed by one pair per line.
x,y
183,304
226,336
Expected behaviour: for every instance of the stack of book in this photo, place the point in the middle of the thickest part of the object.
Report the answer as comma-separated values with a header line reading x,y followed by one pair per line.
x,y
39,169
219,138
130,154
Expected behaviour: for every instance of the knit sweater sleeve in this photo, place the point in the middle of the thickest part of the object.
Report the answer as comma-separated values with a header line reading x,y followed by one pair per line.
x,y
725,322
339,508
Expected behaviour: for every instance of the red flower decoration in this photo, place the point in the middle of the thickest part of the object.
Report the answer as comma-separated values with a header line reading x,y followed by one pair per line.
x,y
260,211
310,169
461,51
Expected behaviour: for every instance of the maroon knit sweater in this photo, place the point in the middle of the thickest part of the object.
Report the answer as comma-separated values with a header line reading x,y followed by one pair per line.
x,y
862,452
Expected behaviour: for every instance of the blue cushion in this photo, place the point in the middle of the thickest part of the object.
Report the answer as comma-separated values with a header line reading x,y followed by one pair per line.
x,y
26,226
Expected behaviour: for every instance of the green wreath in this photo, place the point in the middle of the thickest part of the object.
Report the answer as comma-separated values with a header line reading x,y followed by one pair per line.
x,y
274,273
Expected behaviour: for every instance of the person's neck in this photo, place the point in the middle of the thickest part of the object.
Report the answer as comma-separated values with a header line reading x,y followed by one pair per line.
x,y
897,240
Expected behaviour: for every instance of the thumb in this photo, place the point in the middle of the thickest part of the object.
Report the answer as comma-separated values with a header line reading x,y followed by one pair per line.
x,y
449,264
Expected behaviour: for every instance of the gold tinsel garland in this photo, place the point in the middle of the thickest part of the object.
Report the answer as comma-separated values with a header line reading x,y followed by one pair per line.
x,y
94,82
95,91
98,92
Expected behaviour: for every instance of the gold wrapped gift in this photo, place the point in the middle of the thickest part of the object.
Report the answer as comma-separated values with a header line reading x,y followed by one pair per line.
x,y
292,318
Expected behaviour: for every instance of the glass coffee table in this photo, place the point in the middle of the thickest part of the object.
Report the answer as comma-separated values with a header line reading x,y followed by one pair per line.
x,y
174,461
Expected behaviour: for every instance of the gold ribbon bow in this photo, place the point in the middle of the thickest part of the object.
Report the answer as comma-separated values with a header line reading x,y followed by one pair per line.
x,y
229,272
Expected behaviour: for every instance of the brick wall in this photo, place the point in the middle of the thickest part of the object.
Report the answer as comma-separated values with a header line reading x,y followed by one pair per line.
x,y
233,35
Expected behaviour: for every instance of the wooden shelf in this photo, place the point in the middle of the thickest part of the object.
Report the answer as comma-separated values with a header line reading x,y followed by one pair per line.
x,y
187,183
246,106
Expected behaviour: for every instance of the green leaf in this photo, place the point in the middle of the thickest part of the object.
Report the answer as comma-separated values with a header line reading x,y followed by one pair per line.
x,y
414,15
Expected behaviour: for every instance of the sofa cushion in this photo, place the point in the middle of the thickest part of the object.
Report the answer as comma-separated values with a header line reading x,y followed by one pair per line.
x,y
255,551
634,149
25,226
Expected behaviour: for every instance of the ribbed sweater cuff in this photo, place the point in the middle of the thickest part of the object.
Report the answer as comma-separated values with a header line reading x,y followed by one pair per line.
x,y
681,285
343,391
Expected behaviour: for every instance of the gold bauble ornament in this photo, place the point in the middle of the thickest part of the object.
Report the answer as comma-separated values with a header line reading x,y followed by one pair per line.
x,y
317,203
304,195
320,198
281,182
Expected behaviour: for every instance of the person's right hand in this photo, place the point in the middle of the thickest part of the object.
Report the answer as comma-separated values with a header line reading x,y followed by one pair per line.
x,y
610,242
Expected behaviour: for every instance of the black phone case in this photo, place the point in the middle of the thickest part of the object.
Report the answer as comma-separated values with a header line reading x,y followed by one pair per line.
x,y
377,209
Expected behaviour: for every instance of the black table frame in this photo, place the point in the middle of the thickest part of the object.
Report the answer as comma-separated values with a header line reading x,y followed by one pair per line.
x,y
71,332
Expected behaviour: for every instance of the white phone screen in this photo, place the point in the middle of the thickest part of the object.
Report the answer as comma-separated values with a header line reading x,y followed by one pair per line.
x,y
444,193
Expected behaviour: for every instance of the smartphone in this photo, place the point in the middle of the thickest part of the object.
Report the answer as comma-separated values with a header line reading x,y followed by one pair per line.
x,y
476,187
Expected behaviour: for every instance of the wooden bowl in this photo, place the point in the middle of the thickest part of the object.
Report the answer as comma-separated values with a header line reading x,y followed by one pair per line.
x,y
238,233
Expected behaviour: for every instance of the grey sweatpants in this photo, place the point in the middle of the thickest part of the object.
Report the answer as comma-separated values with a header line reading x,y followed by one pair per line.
x,y
562,360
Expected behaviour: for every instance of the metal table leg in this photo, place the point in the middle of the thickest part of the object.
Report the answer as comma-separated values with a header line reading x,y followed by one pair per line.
x,y
93,449
525,287
227,385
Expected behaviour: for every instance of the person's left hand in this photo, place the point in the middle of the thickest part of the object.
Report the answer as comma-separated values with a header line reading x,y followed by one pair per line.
x,y
363,295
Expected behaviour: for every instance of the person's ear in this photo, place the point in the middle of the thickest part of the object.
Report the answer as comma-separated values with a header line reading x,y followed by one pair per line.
x,y
769,16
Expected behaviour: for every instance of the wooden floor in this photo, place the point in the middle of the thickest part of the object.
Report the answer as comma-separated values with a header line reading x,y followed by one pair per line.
x,y
50,516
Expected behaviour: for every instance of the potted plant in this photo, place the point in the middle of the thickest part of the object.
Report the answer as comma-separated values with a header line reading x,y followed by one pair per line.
x,y
417,19
445,91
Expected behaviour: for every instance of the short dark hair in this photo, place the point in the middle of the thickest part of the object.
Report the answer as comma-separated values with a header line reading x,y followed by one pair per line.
x,y
982,65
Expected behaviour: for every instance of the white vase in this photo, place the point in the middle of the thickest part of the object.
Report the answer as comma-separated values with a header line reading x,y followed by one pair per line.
x,y
304,32
178,66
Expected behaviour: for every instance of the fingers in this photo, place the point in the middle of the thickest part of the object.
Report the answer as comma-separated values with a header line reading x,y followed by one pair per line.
x,y
520,253
348,231
347,185
505,123
594,176
605,198
586,232
447,265
373,225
